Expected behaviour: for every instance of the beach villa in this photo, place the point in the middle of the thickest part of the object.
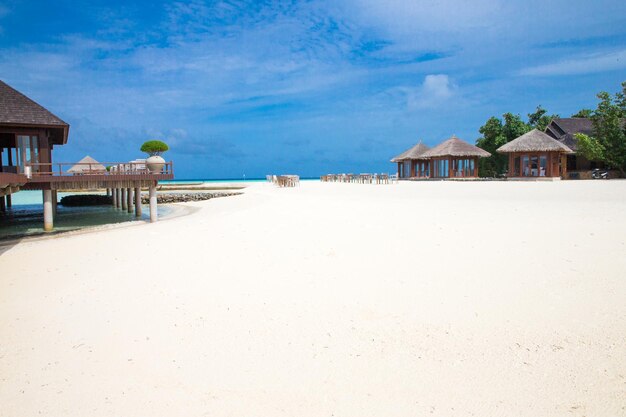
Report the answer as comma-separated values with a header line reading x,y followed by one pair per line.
x,y
534,155
28,135
411,163
564,130
453,158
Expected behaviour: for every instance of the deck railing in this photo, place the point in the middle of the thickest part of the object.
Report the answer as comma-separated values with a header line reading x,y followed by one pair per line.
x,y
60,169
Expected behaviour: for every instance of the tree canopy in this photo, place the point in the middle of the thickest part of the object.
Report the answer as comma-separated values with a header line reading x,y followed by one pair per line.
x,y
154,147
540,119
585,113
608,141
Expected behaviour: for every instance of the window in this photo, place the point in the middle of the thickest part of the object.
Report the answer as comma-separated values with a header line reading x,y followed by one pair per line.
x,y
28,153
516,166
525,167
543,165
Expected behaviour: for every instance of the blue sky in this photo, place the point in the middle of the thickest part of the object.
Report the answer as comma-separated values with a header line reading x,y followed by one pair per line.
x,y
307,87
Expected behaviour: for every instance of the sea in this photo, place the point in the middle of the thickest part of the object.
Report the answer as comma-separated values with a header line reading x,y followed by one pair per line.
x,y
25,218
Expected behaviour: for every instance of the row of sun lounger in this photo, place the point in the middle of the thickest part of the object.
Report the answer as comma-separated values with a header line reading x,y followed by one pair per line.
x,y
360,178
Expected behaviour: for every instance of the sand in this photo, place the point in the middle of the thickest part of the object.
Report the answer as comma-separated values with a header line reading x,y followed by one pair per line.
x,y
430,298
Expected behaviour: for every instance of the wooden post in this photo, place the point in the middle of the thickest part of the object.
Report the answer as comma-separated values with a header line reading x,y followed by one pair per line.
x,y
3,207
476,167
153,203
9,203
54,202
124,201
129,199
114,196
10,156
47,211
137,201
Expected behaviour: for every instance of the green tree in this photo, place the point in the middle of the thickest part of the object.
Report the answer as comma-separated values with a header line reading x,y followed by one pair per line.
x,y
495,134
608,141
589,147
491,140
540,119
514,126
609,128
585,113
154,147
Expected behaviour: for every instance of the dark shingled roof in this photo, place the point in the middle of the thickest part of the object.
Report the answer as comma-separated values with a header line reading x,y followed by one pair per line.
x,y
455,147
17,109
413,153
534,141
564,129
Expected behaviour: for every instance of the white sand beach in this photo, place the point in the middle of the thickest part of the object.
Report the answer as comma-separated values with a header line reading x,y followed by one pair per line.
x,y
410,299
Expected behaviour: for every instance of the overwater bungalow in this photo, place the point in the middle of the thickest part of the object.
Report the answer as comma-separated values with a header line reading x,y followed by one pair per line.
x,y
411,164
454,158
28,135
536,155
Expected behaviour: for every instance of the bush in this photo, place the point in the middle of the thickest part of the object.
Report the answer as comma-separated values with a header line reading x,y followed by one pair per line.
x,y
154,147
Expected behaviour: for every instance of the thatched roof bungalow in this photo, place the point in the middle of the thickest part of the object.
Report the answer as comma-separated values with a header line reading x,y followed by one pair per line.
x,y
87,165
411,163
454,158
536,154
414,152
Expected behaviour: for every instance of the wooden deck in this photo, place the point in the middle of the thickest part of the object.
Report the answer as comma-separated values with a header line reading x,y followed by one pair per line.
x,y
122,175
10,182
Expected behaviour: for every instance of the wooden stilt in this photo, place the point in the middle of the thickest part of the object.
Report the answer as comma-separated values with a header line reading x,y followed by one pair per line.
x,y
47,211
118,198
3,207
114,197
153,204
137,202
9,202
129,198
124,201
54,202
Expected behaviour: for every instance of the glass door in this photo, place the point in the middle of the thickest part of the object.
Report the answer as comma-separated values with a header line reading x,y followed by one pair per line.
x,y
543,165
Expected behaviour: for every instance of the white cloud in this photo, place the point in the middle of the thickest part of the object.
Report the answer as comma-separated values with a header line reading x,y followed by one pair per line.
x,y
583,64
434,91
486,31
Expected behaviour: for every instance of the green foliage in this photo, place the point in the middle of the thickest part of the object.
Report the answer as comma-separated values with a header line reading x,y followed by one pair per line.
x,y
609,128
491,140
154,147
584,113
539,119
108,168
514,126
495,134
590,147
